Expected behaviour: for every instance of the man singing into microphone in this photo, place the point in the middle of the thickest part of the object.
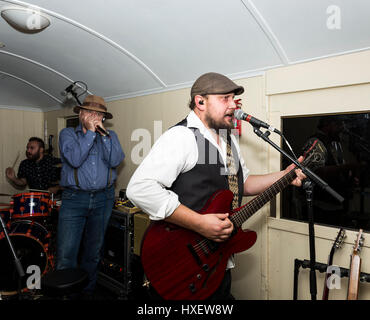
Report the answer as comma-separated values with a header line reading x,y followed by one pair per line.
x,y
90,156
194,159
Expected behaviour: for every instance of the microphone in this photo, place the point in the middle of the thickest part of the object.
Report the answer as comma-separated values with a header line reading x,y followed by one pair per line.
x,y
68,91
102,132
241,115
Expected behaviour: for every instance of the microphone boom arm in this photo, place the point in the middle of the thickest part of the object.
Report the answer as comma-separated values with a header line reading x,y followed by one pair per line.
x,y
312,176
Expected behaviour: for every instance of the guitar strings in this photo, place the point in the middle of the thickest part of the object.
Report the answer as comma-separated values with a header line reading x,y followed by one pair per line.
x,y
202,247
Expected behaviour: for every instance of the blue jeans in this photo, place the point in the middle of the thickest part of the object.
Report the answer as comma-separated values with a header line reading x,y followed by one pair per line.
x,y
83,217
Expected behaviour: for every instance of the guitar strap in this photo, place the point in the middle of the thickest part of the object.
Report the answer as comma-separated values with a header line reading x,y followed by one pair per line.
x,y
232,177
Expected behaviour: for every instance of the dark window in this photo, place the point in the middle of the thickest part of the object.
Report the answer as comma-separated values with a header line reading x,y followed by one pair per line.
x,y
345,138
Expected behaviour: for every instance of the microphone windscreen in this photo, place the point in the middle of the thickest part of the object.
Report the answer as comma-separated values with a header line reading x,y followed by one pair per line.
x,y
239,114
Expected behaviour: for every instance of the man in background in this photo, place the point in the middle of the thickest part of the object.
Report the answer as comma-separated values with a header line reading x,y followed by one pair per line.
x,y
341,172
90,155
39,171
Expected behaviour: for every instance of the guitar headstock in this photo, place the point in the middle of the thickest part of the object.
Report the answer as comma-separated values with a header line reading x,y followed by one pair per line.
x,y
314,153
340,238
359,242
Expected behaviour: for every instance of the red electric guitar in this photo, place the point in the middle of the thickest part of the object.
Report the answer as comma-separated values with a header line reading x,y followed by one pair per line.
x,y
181,264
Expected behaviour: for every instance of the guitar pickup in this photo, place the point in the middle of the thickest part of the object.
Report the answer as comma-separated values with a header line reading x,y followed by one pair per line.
x,y
203,247
194,254
213,246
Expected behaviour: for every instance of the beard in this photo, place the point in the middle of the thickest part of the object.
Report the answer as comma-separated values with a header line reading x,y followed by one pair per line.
x,y
219,125
33,157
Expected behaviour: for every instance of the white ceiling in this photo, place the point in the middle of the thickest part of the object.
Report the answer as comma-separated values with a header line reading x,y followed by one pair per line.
x,y
125,48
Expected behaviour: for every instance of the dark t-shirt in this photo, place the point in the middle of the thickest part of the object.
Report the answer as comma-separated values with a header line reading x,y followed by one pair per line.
x,y
40,175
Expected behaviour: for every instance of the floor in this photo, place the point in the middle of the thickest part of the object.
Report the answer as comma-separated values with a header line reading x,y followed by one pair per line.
x,y
101,293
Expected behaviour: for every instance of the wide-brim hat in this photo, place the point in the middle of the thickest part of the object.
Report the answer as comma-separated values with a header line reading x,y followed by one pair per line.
x,y
214,83
94,103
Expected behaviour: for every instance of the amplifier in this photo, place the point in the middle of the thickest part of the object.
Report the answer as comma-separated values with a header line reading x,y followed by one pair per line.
x,y
120,268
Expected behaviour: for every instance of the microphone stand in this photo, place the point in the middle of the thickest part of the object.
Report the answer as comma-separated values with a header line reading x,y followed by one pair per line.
x,y
308,185
17,262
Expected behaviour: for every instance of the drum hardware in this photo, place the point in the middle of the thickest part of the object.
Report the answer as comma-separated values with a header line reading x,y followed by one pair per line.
x,y
37,190
33,240
16,260
6,215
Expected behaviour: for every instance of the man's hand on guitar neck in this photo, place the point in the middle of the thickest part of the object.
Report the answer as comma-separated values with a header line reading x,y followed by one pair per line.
x,y
257,183
300,176
214,226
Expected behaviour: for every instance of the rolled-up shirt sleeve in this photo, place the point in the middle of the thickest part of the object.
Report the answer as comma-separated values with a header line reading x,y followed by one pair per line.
x,y
173,153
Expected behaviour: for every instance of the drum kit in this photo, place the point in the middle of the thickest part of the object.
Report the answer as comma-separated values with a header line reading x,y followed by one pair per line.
x,y
30,221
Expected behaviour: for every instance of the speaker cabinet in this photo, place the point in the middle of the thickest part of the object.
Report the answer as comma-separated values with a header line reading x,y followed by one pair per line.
x,y
120,267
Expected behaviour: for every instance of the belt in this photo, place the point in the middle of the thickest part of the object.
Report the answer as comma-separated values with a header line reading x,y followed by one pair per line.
x,y
88,191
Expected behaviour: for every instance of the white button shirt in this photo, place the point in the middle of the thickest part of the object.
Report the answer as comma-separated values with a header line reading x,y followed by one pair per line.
x,y
175,152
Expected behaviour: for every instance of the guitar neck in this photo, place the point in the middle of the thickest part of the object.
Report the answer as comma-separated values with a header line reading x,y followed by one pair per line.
x,y
246,211
354,277
355,268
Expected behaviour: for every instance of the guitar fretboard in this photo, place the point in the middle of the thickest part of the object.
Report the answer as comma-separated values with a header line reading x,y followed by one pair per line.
x,y
246,211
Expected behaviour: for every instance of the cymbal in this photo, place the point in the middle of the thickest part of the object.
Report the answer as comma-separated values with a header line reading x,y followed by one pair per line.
x,y
36,190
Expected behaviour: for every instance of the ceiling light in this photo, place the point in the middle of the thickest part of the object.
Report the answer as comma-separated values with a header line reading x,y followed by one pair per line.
x,y
25,19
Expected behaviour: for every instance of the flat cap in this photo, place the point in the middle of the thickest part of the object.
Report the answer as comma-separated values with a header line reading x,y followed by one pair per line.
x,y
214,83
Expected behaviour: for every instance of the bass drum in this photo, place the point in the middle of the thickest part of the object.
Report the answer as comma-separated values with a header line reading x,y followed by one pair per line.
x,y
30,241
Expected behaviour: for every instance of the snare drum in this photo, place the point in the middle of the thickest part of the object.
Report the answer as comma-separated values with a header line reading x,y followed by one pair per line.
x,y
31,245
31,204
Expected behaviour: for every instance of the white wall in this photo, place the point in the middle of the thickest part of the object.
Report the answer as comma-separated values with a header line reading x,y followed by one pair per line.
x,y
340,84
